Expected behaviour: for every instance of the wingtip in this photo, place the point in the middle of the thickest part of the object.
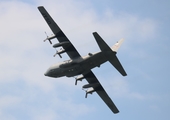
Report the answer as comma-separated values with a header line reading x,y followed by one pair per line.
x,y
40,7
94,33
116,112
125,75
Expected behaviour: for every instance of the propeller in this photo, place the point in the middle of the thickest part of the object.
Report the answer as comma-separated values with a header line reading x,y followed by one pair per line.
x,y
47,38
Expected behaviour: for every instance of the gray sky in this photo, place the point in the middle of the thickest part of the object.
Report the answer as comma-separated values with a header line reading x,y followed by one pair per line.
x,y
25,93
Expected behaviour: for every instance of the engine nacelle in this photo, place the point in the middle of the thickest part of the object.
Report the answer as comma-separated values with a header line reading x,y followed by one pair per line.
x,y
49,38
59,52
94,85
91,88
61,44
89,91
79,78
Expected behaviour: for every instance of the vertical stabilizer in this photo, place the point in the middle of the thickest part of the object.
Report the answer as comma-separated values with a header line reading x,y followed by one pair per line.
x,y
116,46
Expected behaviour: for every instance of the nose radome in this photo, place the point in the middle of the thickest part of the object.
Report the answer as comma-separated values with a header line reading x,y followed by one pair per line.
x,y
46,73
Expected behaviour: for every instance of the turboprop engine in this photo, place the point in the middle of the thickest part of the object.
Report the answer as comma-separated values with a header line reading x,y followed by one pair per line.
x,y
49,38
91,88
59,52
62,50
79,78
61,44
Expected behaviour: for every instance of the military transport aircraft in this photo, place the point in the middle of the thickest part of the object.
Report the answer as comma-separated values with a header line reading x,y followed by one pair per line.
x,y
80,67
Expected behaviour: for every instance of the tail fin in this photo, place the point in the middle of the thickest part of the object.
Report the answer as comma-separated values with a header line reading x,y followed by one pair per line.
x,y
116,46
110,53
103,46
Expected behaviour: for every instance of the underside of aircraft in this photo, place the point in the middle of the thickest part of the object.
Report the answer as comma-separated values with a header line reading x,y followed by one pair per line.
x,y
80,66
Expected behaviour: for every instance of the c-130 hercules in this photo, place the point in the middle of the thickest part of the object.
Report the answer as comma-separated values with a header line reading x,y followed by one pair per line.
x,y
80,66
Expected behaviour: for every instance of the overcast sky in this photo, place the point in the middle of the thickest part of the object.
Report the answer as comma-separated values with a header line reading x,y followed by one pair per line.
x,y
25,93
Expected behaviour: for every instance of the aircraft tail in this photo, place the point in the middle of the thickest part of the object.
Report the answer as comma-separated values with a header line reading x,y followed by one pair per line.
x,y
116,46
110,53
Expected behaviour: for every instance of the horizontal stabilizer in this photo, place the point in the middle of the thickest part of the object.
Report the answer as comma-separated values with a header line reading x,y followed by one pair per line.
x,y
103,46
110,53
115,62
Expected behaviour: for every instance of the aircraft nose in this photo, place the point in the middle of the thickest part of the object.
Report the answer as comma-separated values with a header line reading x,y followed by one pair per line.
x,y
46,73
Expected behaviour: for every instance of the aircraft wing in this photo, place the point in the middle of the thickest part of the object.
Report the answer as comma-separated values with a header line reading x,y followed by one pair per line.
x,y
91,78
58,33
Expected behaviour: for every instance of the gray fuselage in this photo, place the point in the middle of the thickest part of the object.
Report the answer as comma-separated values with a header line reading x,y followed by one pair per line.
x,y
76,66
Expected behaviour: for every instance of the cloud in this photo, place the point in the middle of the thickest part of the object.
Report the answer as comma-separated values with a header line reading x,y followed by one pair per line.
x,y
8,102
24,57
119,87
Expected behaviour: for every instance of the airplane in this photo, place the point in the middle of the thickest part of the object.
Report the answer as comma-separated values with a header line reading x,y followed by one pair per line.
x,y
80,66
